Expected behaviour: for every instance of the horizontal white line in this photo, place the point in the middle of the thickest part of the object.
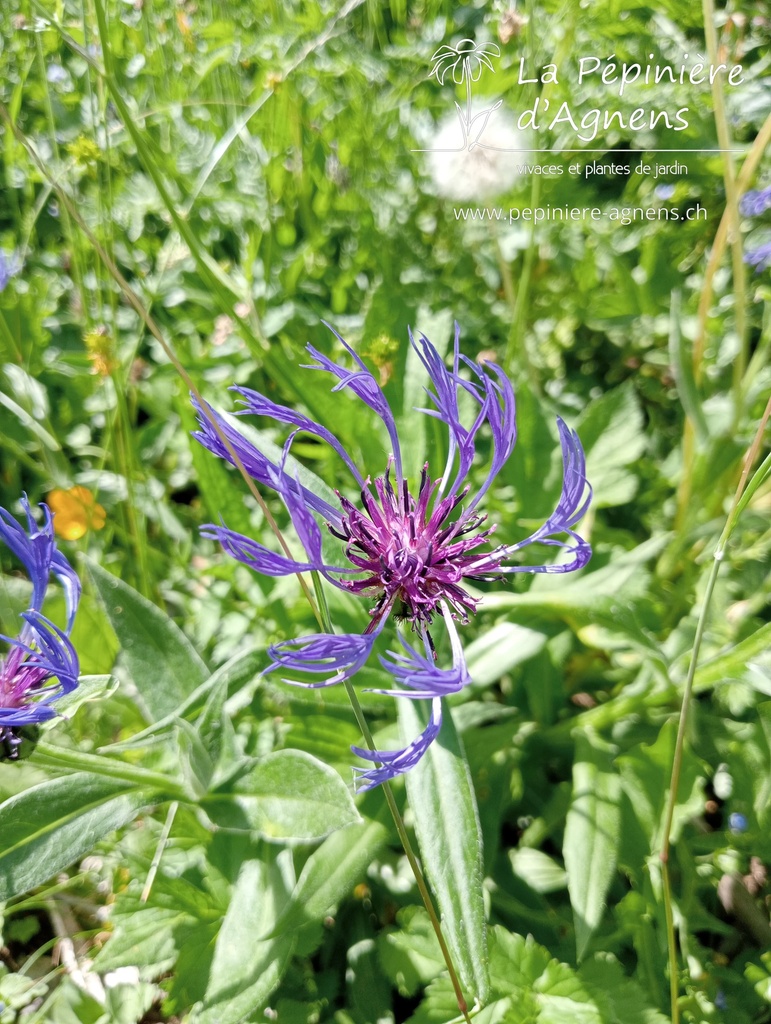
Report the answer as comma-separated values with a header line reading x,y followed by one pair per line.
x,y
558,152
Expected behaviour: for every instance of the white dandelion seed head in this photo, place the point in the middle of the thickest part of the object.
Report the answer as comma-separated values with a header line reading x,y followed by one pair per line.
x,y
484,171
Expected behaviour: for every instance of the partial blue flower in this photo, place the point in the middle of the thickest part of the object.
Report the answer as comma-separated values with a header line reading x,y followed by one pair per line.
x,y
41,664
738,823
759,258
57,74
342,654
409,553
393,763
9,267
755,202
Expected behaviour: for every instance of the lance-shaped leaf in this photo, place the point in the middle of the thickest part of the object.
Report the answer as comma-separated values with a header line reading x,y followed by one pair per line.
x,y
447,826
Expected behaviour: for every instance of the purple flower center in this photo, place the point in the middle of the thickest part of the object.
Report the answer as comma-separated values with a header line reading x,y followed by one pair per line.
x,y
414,555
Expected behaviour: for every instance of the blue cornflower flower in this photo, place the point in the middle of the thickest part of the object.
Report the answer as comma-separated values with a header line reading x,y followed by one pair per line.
x,y
42,652
759,258
409,554
755,202
738,823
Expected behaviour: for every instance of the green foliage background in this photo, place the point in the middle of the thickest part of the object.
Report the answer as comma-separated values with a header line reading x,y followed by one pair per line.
x,y
252,170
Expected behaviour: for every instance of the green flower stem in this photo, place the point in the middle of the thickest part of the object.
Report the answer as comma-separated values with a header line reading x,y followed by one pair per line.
x,y
744,492
397,818
49,756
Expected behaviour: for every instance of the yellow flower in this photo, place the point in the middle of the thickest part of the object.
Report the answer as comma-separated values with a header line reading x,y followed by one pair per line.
x,y
100,351
75,512
84,151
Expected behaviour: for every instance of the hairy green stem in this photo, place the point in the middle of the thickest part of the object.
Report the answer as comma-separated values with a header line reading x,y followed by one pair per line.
x,y
49,756
397,818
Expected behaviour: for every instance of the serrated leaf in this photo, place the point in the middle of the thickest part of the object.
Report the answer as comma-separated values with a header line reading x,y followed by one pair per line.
x,y
620,999
49,826
410,954
287,796
591,835
447,826
163,664
145,938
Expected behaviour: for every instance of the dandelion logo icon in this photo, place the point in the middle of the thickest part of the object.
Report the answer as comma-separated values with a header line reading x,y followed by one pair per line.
x,y
465,61
472,163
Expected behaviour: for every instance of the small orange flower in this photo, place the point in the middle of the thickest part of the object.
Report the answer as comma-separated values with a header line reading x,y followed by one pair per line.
x,y
75,512
100,351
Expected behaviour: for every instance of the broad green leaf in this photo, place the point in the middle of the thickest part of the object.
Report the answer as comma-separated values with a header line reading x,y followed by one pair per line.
x,y
681,361
163,664
237,675
540,871
623,578
646,771
92,636
733,663
591,835
245,970
49,826
367,990
287,796
531,464
331,872
501,648
196,764
89,688
444,805
611,432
